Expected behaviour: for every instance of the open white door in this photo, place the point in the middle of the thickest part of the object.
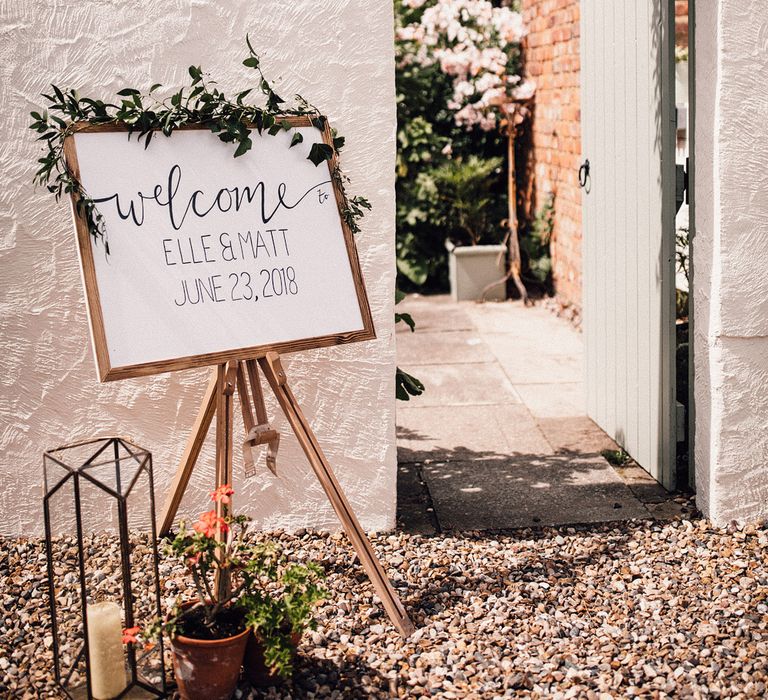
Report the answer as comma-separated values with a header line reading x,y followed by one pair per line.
x,y
628,132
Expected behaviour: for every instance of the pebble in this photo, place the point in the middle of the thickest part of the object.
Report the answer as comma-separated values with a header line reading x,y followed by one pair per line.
x,y
637,609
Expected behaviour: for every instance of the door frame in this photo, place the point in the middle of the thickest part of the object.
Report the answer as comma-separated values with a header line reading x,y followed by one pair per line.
x,y
668,407
691,242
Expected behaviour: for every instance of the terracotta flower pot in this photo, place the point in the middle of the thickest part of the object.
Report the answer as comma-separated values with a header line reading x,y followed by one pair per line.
x,y
256,670
208,669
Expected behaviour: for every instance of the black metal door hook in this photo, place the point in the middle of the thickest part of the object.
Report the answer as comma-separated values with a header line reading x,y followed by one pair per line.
x,y
584,173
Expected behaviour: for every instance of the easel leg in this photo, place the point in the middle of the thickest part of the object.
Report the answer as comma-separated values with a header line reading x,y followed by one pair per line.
x,y
275,375
191,453
226,380
247,413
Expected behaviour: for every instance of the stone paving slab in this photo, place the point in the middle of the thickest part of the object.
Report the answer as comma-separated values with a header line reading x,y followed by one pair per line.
x,y
533,324
415,514
433,348
467,432
436,313
577,434
642,484
477,384
528,490
544,361
562,400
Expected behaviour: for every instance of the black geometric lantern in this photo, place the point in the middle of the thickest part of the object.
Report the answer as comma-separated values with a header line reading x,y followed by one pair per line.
x,y
101,547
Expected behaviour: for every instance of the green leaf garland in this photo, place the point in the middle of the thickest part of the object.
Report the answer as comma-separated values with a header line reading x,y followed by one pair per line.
x,y
201,102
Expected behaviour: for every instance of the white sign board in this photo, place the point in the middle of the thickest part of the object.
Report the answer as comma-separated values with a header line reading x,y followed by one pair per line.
x,y
213,257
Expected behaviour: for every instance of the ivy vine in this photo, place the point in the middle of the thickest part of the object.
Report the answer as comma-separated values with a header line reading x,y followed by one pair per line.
x,y
201,102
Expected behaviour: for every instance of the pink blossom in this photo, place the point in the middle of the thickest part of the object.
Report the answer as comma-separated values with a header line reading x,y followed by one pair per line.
x,y
412,32
223,494
209,523
470,40
524,91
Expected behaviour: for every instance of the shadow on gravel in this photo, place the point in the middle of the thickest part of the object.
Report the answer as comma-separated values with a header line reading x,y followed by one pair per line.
x,y
323,678
527,556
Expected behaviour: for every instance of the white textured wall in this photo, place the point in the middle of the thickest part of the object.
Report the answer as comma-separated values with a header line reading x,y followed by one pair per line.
x,y
339,55
731,259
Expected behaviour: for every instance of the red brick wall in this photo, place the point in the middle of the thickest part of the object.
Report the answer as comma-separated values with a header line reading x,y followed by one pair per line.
x,y
552,61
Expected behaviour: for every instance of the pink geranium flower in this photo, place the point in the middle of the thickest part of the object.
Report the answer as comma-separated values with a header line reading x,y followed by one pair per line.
x,y
209,523
222,494
130,635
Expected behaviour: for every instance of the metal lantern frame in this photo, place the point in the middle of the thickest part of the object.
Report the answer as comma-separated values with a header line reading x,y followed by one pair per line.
x,y
82,475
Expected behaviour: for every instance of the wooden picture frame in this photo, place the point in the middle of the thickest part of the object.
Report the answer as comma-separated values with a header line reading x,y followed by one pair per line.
x,y
108,372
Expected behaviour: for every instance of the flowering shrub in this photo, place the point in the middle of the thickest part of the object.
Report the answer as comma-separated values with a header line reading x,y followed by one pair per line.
x,y
458,63
478,46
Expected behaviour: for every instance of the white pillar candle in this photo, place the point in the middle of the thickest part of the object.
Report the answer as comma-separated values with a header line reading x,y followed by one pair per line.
x,y
105,644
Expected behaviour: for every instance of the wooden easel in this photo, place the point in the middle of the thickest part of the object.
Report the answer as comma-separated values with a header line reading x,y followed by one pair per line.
x,y
219,399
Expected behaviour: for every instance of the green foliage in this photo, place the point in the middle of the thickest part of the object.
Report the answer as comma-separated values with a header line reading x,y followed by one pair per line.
x,y
281,605
320,152
535,243
407,319
201,102
618,458
353,212
458,195
428,139
406,385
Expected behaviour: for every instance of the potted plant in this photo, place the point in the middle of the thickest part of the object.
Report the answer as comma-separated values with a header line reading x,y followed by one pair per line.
x,y
460,191
245,594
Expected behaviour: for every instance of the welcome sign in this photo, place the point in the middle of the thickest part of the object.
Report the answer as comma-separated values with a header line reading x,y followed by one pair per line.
x,y
212,257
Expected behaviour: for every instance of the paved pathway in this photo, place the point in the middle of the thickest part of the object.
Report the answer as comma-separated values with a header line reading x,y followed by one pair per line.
x,y
500,438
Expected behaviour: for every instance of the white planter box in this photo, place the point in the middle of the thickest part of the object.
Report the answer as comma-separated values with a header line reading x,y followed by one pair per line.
x,y
472,268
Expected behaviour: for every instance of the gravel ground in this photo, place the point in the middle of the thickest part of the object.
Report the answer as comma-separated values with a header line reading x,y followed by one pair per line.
x,y
636,609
